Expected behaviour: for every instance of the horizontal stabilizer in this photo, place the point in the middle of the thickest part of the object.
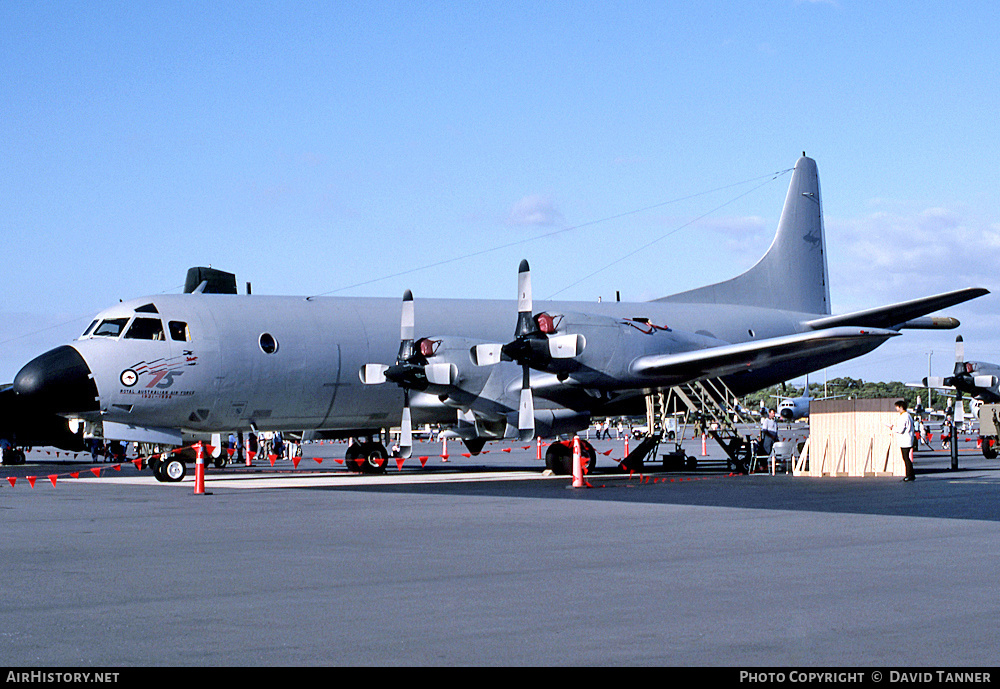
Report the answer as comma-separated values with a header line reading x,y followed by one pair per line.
x,y
897,315
714,362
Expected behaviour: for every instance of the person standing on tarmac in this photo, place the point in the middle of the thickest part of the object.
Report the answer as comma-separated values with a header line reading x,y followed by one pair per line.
x,y
768,432
922,435
902,428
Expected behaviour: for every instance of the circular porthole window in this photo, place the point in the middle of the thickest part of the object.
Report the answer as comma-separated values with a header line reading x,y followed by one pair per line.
x,y
268,344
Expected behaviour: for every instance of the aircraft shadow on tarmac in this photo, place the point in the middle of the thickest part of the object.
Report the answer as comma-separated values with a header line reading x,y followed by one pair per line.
x,y
937,493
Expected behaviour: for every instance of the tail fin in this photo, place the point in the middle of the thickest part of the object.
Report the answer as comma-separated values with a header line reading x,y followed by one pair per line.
x,y
792,275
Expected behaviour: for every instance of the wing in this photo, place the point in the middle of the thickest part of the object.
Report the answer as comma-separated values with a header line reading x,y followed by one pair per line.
x,y
728,359
905,314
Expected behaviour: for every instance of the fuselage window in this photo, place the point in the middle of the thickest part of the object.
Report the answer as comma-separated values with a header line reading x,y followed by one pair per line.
x,y
179,331
268,344
145,329
111,327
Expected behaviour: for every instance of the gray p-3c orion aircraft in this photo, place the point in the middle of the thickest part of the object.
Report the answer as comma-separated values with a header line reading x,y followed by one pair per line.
x,y
171,368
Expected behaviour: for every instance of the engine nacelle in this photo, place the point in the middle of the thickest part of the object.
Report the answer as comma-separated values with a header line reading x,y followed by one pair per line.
x,y
552,422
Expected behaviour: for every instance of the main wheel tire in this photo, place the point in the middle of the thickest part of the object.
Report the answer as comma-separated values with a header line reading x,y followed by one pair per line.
x,y
351,457
156,466
174,470
989,448
589,454
375,458
559,459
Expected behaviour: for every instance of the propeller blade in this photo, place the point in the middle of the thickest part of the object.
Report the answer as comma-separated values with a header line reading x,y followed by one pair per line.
x,y
959,355
525,323
566,346
373,374
406,321
441,374
985,381
526,416
406,428
486,354
526,409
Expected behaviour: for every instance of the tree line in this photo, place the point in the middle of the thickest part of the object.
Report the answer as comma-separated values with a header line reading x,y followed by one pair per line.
x,y
855,388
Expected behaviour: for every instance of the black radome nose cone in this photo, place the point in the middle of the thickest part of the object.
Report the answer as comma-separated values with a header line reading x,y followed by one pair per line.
x,y
58,381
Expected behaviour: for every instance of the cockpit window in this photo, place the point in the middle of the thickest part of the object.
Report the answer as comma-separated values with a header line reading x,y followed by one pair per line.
x,y
179,331
147,308
89,328
145,329
110,327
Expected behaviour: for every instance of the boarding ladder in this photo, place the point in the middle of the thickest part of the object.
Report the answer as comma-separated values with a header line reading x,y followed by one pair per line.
x,y
714,410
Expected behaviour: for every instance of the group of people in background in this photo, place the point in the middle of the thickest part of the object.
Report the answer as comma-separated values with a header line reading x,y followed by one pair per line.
x,y
261,444
604,430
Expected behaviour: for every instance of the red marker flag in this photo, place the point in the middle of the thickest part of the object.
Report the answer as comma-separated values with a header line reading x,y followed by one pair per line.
x,y
96,471
11,480
31,480
52,477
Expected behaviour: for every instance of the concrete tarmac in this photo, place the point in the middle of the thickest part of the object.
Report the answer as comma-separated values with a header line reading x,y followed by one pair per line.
x,y
481,561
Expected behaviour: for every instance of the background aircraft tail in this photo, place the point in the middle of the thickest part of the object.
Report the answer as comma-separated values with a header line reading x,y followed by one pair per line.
x,y
792,275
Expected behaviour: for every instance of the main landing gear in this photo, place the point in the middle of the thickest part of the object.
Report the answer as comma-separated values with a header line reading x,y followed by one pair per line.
x,y
368,457
559,457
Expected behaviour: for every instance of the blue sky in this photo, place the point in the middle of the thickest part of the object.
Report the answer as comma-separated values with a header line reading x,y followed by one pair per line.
x,y
317,148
